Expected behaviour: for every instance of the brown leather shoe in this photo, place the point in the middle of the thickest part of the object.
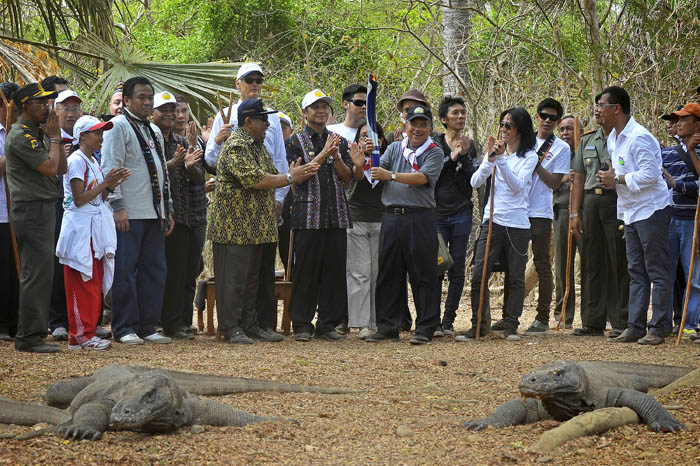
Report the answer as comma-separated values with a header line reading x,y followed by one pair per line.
x,y
651,339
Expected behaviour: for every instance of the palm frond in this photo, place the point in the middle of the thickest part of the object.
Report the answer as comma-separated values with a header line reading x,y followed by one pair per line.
x,y
24,63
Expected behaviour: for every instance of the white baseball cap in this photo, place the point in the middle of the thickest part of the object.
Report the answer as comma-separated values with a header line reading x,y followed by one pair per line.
x,y
284,117
67,94
88,123
163,98
248,68
314,96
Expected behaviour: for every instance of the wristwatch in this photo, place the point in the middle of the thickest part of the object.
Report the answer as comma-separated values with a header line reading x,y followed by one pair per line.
x,y
393,176
290,178
617,179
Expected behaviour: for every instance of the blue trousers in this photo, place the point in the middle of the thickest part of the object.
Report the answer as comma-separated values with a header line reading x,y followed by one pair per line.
x,y
139,279
680,244
648,262
455,231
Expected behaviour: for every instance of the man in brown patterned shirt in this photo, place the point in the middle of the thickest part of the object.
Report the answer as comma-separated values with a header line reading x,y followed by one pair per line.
x,y
243,220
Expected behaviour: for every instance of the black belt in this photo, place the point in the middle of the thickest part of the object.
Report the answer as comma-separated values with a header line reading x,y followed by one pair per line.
x,y
398,210
601,192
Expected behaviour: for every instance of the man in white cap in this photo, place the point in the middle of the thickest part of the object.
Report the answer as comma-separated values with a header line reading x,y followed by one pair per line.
x,y
319,219
68,108
183,246
249,80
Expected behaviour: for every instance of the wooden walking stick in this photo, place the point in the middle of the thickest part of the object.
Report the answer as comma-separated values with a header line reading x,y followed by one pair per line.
x,y
15,249
488,246
569,236
689,283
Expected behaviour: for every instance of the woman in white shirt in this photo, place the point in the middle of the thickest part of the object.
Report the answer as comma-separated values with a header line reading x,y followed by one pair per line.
x,y
87,241
514,160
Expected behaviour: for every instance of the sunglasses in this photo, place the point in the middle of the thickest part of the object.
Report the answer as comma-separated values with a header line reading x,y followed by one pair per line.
x,y
549,116
251,80
507,126
358,102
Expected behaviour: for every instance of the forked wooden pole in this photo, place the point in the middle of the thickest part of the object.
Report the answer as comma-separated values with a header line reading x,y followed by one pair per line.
x,y
689,281
569,236
486,257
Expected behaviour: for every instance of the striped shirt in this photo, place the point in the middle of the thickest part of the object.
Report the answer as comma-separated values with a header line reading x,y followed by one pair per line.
x,y
685,194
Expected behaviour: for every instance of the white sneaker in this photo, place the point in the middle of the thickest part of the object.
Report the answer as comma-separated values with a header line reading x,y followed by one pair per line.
x,y
94,343
365,332
60,334
158,338
131,339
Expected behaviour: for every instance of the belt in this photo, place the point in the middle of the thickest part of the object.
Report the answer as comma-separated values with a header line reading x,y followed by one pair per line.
x,y
397,210
600,192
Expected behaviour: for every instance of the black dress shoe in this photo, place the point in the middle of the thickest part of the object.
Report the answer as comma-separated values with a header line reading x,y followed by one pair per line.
x,y
180,335
379,337
616,332
331,336
40,348
419,340
626,337
587,332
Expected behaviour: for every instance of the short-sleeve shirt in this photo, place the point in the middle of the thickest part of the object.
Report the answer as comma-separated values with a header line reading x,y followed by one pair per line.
x,y
406,195
345,131
556,160
81,167
25,151
241,214
591,153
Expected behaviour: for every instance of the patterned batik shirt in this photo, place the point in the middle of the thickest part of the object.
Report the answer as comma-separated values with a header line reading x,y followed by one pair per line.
x,y
186,187
239,213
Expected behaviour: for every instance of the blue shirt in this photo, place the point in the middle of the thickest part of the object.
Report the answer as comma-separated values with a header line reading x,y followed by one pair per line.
x,y
685,194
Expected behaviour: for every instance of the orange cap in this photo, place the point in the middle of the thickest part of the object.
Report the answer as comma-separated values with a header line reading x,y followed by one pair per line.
x,y
692,108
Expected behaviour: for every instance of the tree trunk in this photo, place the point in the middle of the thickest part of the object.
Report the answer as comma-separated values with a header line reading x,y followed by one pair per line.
x,y
591,16
456,24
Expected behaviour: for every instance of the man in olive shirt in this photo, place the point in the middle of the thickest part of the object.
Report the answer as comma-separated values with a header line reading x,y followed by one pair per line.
x,y
606,287
32,166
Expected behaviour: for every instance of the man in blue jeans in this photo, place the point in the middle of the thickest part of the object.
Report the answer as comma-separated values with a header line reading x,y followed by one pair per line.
x,y
682,180
643,204
142,214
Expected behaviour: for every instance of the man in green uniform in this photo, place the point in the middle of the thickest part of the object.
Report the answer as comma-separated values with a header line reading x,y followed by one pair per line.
x,y
32,166
605,277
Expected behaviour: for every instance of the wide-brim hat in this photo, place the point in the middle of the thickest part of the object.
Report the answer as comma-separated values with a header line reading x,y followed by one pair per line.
x,y
412,94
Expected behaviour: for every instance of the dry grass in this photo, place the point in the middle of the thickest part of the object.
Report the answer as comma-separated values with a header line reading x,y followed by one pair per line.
x,y
399,385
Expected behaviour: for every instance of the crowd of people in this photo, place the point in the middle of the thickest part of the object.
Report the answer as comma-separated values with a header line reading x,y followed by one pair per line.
x,y
114,212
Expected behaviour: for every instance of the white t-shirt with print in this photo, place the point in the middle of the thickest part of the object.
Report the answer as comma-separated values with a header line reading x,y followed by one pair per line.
x,y
81,167
557,160
345,131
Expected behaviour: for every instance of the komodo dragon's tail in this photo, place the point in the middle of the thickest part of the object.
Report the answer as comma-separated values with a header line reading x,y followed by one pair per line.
x,y
206,384
656,375
25,414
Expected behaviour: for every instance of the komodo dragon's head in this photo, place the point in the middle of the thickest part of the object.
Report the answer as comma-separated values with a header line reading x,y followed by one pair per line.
x,y
150,402
561,386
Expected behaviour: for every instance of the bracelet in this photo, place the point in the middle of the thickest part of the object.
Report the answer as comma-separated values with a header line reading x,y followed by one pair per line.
x,y
54,141
573,215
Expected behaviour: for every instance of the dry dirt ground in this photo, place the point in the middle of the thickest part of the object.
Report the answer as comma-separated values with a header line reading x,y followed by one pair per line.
x,y
400,389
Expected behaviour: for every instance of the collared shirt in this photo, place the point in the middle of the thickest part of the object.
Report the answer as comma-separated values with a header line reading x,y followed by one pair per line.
x,y
121,148
3,195
241,214
557,160
186,187
685,193
320,201
274,142
25,150
591,153
636,154
410,195
511,190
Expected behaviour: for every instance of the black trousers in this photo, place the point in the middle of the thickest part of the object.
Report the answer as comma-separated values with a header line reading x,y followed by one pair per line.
x,y
237,272
408,244
266,304
319,279
58,313
513,242
9,283
183,252
34,223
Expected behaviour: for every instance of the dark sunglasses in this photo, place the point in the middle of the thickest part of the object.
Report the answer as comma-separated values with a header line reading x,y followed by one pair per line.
x,y
507,126
550,116
251,80
358,102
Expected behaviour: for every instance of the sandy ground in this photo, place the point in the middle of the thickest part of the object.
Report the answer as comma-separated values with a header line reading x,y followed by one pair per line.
x,y
400,387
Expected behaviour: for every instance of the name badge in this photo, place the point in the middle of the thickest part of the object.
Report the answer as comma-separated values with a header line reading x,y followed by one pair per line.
x,y
150,144
589,148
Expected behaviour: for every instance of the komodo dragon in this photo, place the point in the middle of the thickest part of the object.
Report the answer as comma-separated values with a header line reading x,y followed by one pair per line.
x,y
564,389
140,399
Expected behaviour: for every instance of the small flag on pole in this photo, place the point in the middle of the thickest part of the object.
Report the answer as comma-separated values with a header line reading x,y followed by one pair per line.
x,y
372,118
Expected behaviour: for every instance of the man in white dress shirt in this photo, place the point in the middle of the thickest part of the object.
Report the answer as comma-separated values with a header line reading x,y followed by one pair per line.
x,y
249,80
643,204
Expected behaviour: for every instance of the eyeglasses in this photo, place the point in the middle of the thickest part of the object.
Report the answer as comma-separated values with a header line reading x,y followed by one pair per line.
x,y
358,102
251,80
548,116
507,126
603,104
43,103
73,110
